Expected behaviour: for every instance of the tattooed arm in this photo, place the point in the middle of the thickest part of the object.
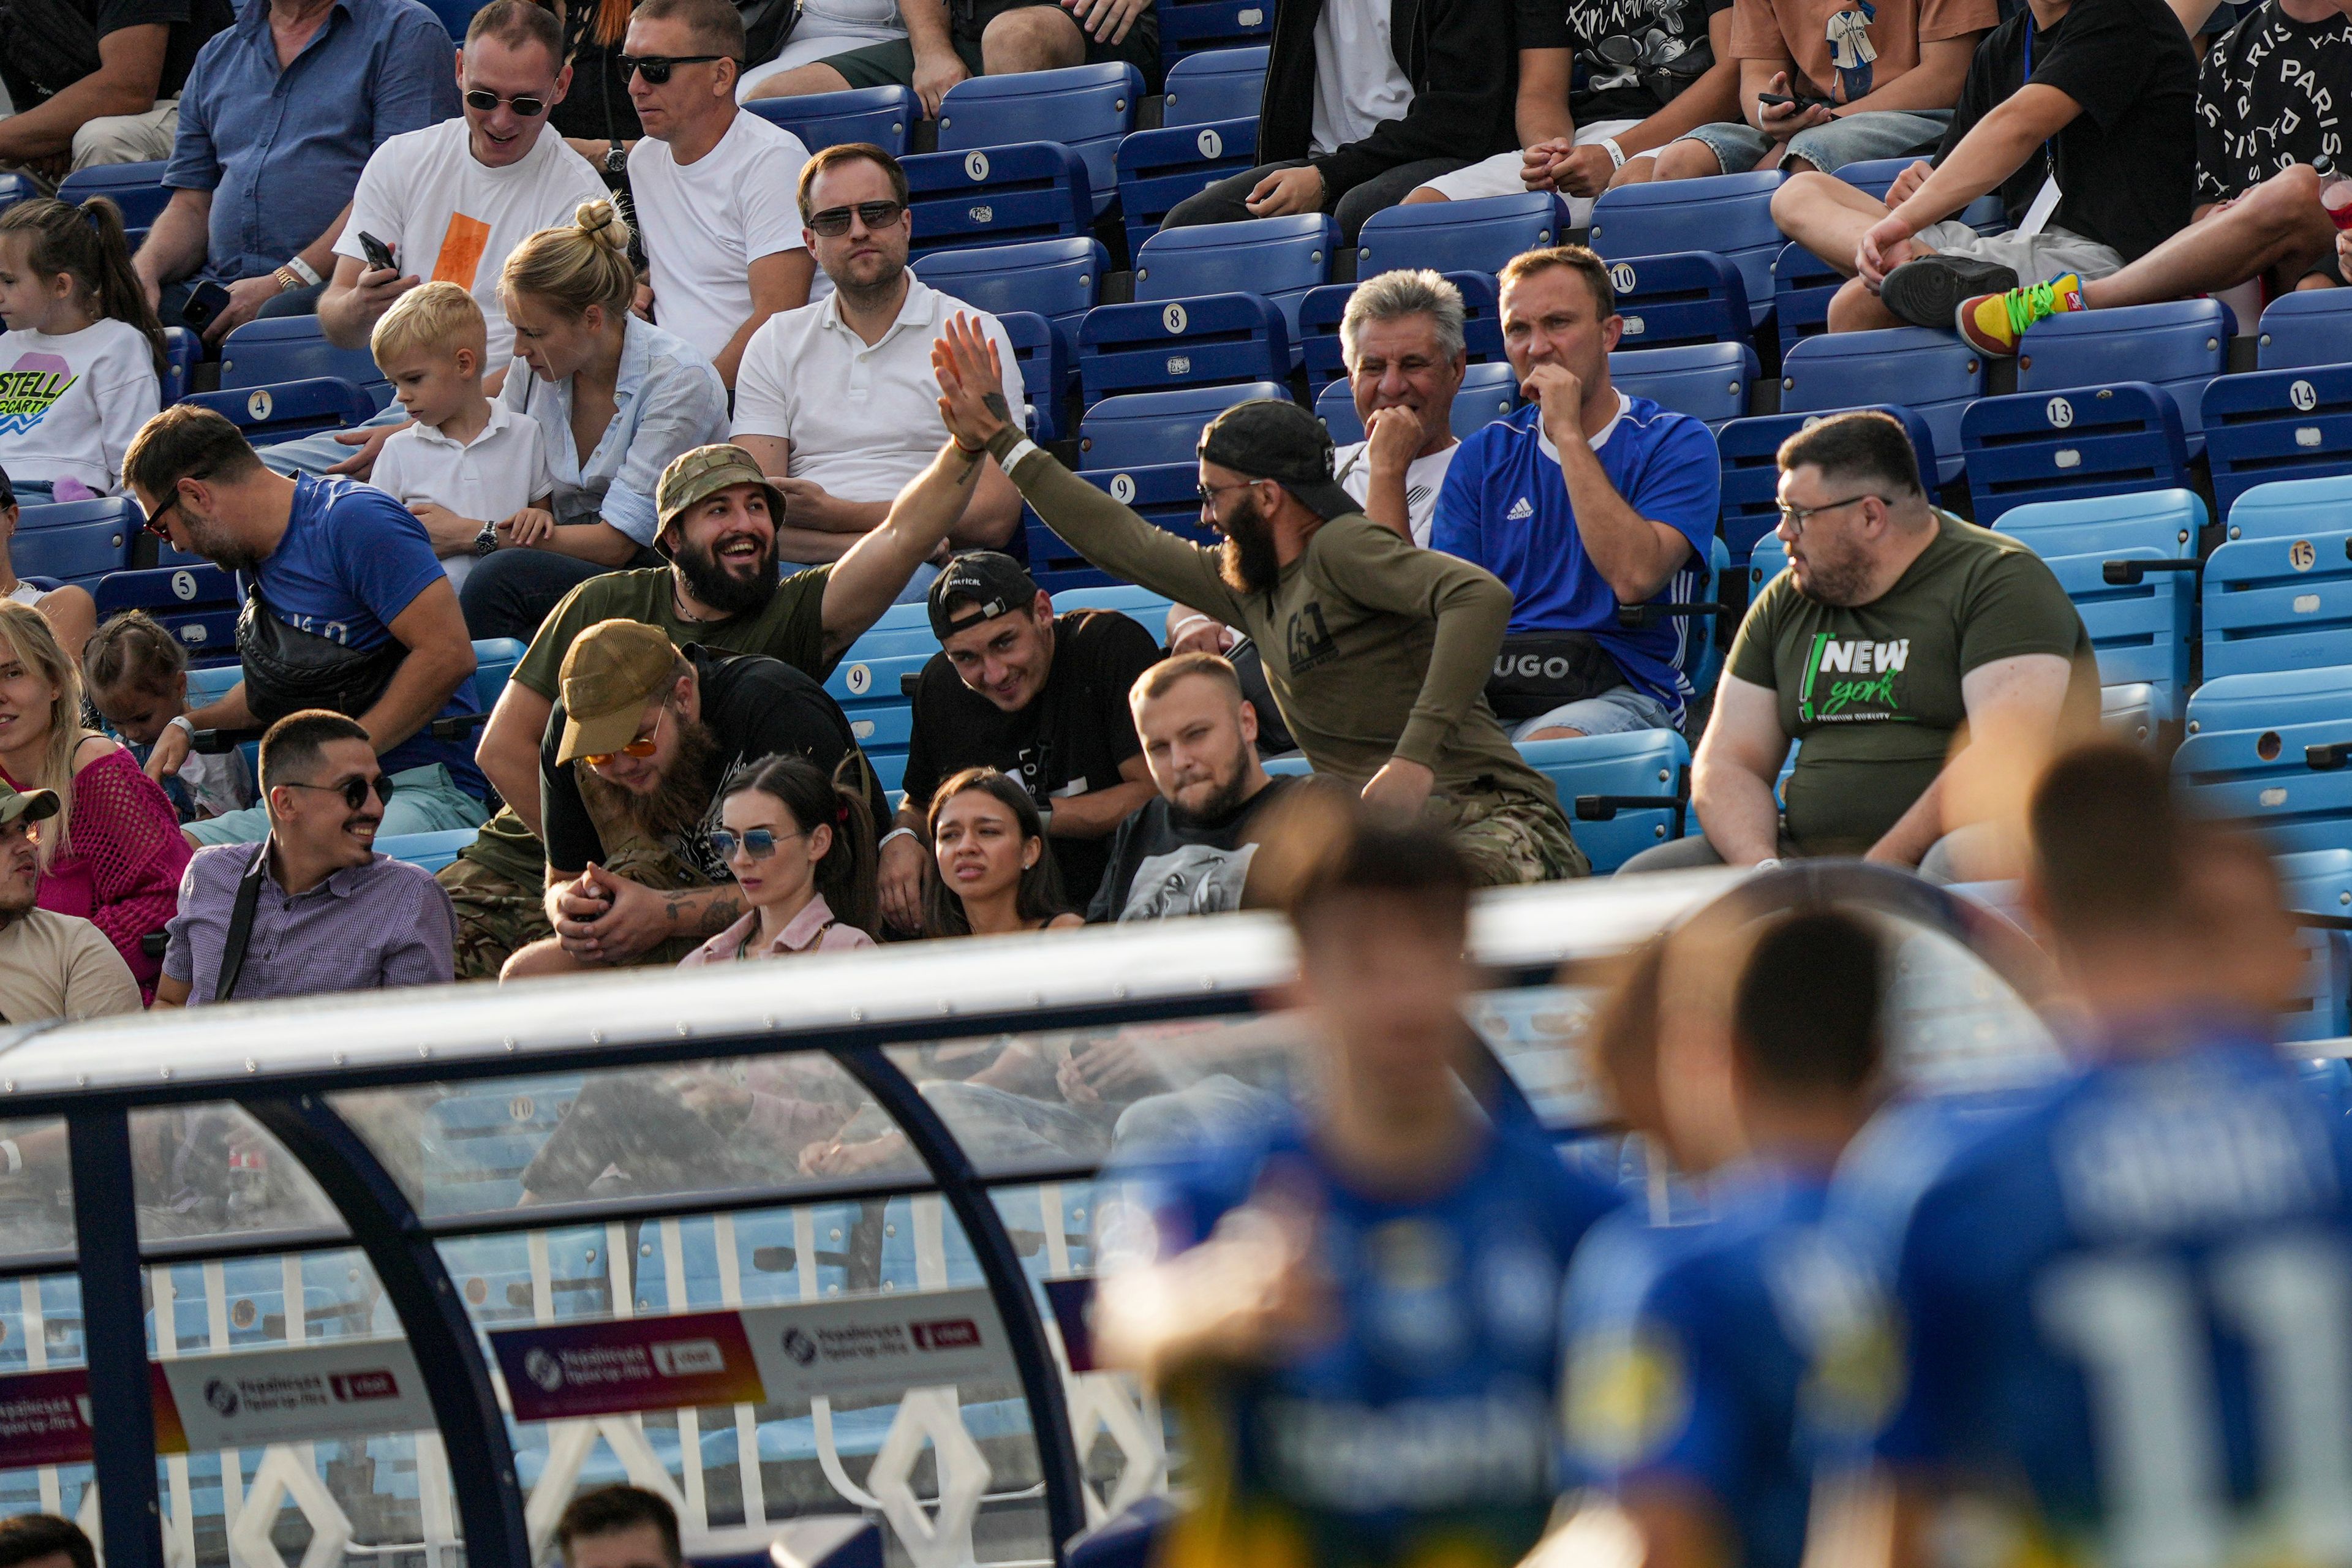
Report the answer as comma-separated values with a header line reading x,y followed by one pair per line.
x,y
877,568
600,918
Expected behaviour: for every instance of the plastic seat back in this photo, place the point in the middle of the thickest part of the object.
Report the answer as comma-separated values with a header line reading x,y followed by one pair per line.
x,y
2304,330
1597,774
1279,258
1477,236
1216,84
77,542
884,116
1705,381
137,188
1206,341
1939,375
295,348
283,410
1086,108
1692,297
1191,26
1730,214
1165,494
197,604
1750,451
430,850
2179,345
2279,603
2090,441
2277,424
2289,507
1157,169
998,196
1153,427
2246,758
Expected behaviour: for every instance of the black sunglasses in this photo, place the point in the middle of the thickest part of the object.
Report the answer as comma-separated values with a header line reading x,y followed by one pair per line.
x,y
656,69
153,521
483,98
354,789
834,222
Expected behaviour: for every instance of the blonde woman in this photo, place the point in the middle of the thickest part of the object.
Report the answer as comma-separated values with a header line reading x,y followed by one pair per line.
x,y
113,854
615,398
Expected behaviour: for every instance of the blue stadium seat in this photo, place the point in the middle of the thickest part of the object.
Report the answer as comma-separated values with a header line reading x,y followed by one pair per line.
x,y
1129,1540
1084,107
2290,507
137,188
1766,562
454,14
181,350
1278,259
15,188
1000,195
1877,176
1059,278
285,410
885,116
1045,370
2279,603
1938,374
1705,381
1689,297
1478,236
1602,777
2307,328
2166,521
77,542
2319,882
1488,393
1157,169
1151,427
1730,214
2141,621
1166,494
494,662
2090,441
2277,424
295,348
2250,749
1802,286
430,850
2179,345
1319,310
1206,340
1214,85
1139,604
197,604
1194,26
1750,449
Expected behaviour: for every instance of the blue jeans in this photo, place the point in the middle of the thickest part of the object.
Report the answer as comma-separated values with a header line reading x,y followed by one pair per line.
x,y
1851,139
1616,712
317,453
423,800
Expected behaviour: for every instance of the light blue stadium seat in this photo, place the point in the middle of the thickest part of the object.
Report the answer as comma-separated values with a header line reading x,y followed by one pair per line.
x,y
1158,426
1766,562
1624,793
197,604
1476,236
1689,297
295,348
1191,27
2319,882
884,116
1084,107
1749,450
1278,259
1705,381
1214,85
1139,604
1937,374
2139,630
2250,749
137,188
2168,521
494,662
2279,603
1730,214
2179,345
1488,393
77,542
2304,330
2276,424
2061,446
285,410
2290,507
1157,169
1202,339
430,850
998,196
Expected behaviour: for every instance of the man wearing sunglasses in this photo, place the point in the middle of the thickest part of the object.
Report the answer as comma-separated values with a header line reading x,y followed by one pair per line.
x,y
325,911
1898,633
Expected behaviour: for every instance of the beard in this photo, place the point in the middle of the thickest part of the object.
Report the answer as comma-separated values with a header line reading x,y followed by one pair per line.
x,y
1247,561
1223,800
721,589
213,542
672,808
1840,582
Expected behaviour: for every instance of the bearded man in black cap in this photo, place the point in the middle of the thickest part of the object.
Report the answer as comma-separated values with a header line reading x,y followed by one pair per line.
x,y
1377,652
1040,697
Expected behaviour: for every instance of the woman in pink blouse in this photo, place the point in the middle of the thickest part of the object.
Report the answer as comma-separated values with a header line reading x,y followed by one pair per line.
x,y
113,854
801,847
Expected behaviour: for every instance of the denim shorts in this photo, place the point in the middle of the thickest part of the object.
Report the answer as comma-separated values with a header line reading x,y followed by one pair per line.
x,y
1851,139
1615,711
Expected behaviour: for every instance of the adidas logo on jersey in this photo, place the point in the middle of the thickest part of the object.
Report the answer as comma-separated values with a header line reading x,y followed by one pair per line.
x,y
1520,511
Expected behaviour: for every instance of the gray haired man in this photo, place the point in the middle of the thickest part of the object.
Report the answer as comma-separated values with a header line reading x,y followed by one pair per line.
x,y
1401,341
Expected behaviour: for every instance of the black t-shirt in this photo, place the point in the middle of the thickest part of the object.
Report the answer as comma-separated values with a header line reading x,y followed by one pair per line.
x,y
1164,865
1631,57
67,41
755,706
1070,740
2258,99
2127,163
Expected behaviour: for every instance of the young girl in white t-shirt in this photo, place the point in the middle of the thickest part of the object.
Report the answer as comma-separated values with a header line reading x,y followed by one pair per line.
x,y
82,362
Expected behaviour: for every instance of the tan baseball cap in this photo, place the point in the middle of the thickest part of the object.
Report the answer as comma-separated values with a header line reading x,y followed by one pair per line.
x,y
612,670
33,804
703,472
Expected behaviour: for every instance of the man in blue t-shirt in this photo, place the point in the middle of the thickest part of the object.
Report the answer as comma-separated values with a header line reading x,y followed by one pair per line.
x,y
1584,501
2124,1309
1355,1309
1692,1344
345,571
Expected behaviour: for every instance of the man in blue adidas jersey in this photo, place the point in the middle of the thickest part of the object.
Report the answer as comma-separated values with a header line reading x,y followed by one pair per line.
x,y
2125,1309
1585,500
1691,1344
1355,1309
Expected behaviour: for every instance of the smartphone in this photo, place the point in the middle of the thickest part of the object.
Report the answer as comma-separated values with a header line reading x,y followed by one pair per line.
x,y
1783,101
379,253
204,306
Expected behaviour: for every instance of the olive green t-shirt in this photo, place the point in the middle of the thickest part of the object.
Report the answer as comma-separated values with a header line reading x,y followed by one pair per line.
x,y
1873,692
792,629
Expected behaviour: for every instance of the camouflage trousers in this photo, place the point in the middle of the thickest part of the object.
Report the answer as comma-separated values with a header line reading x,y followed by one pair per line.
x,y
498,917
1511,836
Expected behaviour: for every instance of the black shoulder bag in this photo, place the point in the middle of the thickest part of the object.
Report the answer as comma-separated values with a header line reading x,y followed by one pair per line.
x,y
288,669
240,923
1538,671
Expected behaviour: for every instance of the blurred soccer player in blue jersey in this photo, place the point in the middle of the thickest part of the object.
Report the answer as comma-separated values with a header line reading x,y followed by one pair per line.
x,y
1356,1311
2125,1311
1691,1344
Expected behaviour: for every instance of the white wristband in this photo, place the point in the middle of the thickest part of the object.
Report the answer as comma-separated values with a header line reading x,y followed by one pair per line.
x,y
895,832
182,723
305,272
1021,450
1616,154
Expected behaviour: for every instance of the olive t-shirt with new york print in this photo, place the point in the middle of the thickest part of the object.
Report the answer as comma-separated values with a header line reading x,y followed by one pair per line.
x,y
1871,692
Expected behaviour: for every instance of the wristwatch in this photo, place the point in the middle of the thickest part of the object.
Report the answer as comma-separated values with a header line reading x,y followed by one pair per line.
x,y
616,160
488,540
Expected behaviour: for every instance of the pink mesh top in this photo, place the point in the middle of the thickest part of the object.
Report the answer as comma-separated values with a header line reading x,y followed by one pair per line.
x,y
123,866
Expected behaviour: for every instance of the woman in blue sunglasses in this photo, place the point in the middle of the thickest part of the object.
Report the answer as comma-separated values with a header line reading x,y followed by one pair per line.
x,y
801,847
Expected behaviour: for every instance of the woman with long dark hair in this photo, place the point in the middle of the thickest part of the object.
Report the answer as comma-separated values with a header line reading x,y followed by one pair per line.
x,y
996,874
801,847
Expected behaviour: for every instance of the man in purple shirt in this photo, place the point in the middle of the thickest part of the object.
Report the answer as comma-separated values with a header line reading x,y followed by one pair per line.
x,y
324,910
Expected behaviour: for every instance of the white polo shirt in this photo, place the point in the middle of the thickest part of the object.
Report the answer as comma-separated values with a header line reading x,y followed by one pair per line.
x,y
489,479
1422,479
862,421
706,222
